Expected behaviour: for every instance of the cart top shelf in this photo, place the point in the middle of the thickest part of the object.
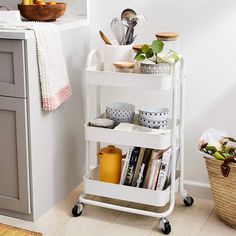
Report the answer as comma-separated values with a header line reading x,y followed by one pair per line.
x,y
95,75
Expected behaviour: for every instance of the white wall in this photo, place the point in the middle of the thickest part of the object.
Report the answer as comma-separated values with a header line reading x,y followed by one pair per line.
x,y
74,7
208,41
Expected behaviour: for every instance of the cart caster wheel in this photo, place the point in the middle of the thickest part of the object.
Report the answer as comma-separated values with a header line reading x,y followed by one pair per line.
x,y
188,201
77,209
165,226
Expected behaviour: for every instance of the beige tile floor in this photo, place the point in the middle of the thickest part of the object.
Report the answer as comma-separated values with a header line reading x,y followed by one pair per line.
x,y
199,220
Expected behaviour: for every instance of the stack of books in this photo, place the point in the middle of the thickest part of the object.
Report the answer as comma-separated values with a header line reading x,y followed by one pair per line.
x,y
146,168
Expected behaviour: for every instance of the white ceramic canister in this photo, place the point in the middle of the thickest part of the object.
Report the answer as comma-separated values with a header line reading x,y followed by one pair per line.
x,y
117,53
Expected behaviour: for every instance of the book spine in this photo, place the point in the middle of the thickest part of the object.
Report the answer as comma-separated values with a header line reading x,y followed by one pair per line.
x,y
146,160
164,169
125,167
157,170
140,176
132,166
138,167
152,173
147,175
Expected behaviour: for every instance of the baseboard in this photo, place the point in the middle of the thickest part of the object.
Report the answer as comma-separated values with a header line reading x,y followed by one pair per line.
x,y
198,189
28,217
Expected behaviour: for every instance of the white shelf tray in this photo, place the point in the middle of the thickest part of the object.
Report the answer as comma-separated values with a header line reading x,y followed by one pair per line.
x,y
136,136
96,76
126,193
162,140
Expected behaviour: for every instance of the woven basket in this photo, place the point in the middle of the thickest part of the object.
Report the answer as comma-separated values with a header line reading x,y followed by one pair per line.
x,y
222,176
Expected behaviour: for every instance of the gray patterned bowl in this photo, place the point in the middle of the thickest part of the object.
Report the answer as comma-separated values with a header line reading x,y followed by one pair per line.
x,y
162,69
154,113
153,124
120,112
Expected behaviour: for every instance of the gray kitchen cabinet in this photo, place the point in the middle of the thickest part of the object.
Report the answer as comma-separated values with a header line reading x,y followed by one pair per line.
x,y
42,154
12,76
14,167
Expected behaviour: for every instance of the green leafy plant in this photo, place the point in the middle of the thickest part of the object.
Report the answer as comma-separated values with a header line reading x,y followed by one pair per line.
x,y
220,149
152,53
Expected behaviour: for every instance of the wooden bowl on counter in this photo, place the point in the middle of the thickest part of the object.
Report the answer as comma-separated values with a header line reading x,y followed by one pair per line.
x,y
42,12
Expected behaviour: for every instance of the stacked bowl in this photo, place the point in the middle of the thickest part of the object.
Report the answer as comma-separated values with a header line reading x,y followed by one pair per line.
x,y
121,113
153,117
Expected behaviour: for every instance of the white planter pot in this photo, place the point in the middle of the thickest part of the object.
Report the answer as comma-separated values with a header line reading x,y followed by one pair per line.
x,y
162,69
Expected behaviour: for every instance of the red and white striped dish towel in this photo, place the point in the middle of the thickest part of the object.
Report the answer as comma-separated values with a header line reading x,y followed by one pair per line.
x,y
54,80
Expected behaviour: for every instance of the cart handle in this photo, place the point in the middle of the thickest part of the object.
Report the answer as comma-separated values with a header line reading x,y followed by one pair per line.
x,y
94,53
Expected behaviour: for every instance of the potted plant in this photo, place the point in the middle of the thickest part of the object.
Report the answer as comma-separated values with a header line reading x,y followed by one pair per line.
x,y
153,61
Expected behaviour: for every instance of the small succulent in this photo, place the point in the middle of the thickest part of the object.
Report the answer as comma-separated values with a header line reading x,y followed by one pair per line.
x,y
152,53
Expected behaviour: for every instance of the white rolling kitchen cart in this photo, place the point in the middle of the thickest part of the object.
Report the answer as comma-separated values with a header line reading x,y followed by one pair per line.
x,y
172,136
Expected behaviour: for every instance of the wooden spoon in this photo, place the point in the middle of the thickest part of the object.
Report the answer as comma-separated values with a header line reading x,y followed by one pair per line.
x,y
104,38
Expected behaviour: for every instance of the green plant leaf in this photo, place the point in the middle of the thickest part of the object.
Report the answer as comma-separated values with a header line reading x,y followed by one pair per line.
x,y
175,56
145,48
139,57
149,53
157,46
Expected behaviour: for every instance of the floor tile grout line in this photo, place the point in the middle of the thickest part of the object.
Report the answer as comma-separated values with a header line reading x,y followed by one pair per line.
x,y
69,214
69,219
111,223
205,222
120,213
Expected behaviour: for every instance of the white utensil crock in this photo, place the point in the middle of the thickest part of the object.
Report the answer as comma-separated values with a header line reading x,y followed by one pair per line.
x,y
115,53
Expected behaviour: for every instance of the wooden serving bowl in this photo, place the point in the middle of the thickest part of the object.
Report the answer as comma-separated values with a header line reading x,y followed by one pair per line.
x,y
42,12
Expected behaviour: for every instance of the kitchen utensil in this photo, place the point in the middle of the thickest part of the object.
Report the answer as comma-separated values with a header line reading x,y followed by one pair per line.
x,y
130,20
153,124
104,38
120,112
114,53
130,31
132,39
42,12
102,122
127,15
118,30
110,164
124,66
154,113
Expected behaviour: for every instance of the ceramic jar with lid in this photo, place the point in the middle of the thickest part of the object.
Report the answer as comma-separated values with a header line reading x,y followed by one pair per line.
x,y
170,39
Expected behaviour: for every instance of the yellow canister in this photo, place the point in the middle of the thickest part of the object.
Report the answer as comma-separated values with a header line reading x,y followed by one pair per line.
x,y
110,164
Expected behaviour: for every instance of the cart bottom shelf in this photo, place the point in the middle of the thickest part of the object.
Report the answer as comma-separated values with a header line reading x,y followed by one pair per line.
x,y
126,193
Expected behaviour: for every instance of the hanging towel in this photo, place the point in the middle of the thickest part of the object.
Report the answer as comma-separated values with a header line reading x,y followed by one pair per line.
x,y
54,80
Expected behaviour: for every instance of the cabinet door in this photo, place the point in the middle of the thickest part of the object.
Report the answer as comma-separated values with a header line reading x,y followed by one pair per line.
x,y
14,166
12,76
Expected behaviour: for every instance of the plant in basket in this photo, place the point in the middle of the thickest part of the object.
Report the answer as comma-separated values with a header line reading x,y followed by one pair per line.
x,y
153,61
220,150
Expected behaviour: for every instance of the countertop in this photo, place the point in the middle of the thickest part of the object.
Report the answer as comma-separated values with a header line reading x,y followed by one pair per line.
x,y
63,23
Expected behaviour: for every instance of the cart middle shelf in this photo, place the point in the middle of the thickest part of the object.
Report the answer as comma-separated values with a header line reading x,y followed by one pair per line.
x,y
138,136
